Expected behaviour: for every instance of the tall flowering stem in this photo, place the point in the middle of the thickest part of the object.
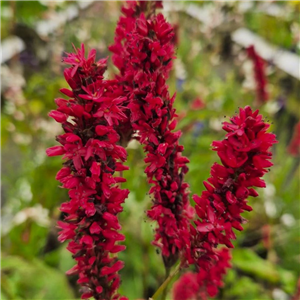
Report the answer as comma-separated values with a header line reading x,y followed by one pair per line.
x,y
147,53
245,155
90,147
259,74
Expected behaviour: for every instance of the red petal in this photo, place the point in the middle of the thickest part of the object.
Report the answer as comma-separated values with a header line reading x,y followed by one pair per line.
x,y
67,92
95,228
55,151
113,269
58,116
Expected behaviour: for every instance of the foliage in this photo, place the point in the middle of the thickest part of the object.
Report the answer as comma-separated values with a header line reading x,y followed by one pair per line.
x,y
18,276
259,22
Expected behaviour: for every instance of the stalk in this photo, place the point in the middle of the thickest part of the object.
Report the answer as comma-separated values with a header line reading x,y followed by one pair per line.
x,y
162,288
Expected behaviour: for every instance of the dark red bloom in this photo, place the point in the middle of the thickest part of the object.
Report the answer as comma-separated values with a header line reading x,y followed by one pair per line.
x,y
260,74
92,155
176,39
245,155
197,104
144,56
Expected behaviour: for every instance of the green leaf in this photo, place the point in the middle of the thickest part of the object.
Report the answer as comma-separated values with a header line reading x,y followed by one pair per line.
x,y
250,263
32,280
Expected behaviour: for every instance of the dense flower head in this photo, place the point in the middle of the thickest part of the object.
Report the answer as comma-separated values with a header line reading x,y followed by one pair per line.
x,y
147,53
90,147
126,24
205,282
245,155
259,74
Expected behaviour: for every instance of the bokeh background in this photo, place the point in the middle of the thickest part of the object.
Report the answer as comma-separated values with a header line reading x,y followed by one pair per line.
x,y
213,76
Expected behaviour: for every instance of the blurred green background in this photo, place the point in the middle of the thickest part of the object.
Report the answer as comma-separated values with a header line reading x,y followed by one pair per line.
x,y
209,68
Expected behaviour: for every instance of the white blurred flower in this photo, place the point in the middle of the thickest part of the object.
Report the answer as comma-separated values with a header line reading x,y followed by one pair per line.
x,y
25,190
270,190
279,294
36,213
133,144
272,107
249,82
50,2
215,124
10,79
269,193
22,139
288,220
180,70
270,208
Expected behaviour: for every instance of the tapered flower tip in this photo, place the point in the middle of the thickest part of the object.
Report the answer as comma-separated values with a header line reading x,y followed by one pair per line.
x,y
58,116
55,151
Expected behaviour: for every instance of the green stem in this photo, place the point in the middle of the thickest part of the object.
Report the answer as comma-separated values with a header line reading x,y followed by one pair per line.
x,y
291,174
164,294
166,282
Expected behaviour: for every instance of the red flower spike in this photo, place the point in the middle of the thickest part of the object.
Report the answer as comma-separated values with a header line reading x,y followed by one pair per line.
x,y
143,52
92,157
259,74
245,156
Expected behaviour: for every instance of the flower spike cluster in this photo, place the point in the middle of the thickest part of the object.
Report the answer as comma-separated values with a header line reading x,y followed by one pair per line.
x,y
101,116
92,155
245,156
147,53
259,74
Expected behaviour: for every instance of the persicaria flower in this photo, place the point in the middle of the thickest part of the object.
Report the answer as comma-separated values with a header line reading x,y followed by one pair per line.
x,y
197,104
245,156
90,147
147,51
259,74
